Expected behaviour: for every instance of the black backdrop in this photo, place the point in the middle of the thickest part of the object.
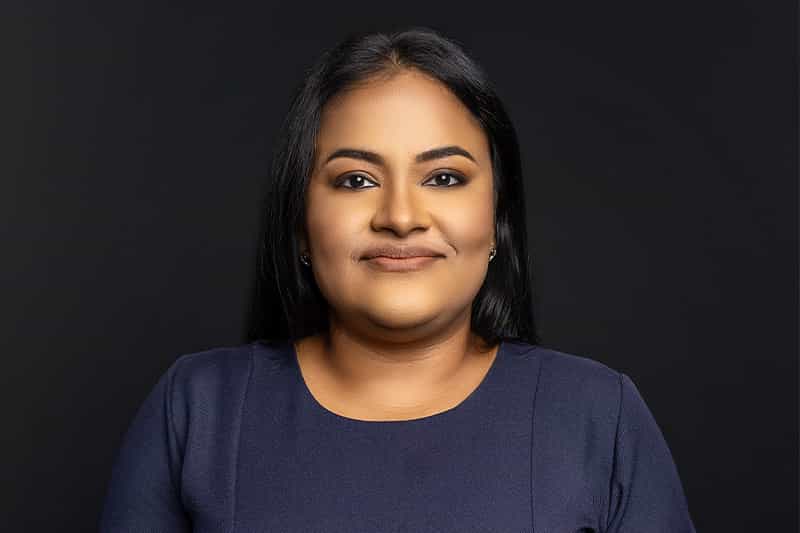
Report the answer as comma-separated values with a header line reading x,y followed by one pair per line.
x,y
660,148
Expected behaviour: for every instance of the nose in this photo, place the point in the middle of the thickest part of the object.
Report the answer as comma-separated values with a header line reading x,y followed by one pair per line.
x,y
401,208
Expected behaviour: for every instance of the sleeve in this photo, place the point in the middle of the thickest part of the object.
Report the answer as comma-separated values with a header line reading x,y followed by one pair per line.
x,y
646,492
143,493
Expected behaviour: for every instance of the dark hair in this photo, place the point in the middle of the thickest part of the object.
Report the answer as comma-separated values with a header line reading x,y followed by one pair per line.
x,y
287,303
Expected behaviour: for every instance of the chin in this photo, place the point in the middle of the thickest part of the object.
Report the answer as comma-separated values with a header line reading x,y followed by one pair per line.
x,y
401,314
403,329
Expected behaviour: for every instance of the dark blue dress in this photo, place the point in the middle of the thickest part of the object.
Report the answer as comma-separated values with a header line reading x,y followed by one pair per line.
x,y
231,440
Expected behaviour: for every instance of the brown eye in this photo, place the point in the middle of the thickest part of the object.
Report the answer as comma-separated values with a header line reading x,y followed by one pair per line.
x,y
442,179
356,181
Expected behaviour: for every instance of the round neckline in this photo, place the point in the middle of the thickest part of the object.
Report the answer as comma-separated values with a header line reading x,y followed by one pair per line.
x,y
463,405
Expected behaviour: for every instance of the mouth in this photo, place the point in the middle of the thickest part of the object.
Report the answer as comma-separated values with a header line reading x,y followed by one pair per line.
x,y
401,264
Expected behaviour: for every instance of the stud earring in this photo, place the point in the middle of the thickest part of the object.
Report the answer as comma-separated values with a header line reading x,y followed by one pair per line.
x,y
492,253
305,259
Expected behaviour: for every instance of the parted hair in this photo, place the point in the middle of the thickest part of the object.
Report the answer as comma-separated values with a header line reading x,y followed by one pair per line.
x,y
286,301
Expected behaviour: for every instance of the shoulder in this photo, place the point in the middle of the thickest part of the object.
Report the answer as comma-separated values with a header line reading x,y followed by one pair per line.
x,y
223,370
211,368
578,372
572,384
205,391
566,370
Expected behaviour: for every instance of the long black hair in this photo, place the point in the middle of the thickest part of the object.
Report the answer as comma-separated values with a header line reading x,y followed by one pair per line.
x,y
287,303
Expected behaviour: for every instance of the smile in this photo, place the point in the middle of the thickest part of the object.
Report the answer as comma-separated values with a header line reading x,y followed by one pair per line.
x,y
405,264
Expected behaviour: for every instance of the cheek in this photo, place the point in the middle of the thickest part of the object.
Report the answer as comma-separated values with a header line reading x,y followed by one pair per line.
x,y
473,231
324,221
335,231
329,241
331,245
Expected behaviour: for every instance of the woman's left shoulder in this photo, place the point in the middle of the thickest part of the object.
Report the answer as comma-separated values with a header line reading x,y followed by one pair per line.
x,y
573,382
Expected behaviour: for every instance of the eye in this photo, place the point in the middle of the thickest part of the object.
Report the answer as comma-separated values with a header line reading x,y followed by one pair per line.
x,y
444,183
356,179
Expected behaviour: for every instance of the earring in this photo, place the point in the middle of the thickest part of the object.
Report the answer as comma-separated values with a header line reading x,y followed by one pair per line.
x,y
492,253
305,259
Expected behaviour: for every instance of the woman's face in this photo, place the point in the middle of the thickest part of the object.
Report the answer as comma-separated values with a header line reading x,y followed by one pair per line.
x,y
394,197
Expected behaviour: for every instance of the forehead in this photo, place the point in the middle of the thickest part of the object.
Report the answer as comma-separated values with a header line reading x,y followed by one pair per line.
x,y
400,117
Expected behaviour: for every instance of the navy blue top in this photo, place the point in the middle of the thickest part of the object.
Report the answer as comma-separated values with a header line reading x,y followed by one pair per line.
x,y
232,440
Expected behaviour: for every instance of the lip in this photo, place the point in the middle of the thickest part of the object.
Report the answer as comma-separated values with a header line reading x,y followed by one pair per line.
x,y
404,264
400,252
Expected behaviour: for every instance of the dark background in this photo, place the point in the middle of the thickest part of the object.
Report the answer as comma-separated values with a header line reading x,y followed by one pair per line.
x,y
660,148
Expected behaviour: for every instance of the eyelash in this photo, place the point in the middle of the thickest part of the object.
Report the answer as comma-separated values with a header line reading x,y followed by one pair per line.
x,y
461,180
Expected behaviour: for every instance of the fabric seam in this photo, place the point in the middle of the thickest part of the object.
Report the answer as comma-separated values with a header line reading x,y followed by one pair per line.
x,y
171,377
533,436
614,455
235,484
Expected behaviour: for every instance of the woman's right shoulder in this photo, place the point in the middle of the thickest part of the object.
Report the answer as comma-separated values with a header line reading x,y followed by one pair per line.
x,y
204,389
222,368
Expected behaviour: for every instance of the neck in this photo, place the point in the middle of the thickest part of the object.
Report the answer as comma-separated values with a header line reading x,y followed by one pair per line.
x,y
396,376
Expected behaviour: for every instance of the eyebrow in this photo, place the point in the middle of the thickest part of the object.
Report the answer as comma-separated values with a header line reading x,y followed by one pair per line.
x,y
377,159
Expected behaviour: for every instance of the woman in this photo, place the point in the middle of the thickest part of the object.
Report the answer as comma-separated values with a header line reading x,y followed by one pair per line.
x,y
397,383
